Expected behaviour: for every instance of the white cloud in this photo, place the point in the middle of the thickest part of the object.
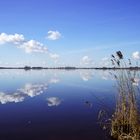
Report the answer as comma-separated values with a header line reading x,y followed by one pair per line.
x,y
15,38
53,101
86,60
54,56
19,41
105,59
53,35
33,46
30,46
136,55
105,62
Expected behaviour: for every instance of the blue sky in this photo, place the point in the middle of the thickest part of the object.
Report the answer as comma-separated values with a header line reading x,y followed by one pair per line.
x,y
74,32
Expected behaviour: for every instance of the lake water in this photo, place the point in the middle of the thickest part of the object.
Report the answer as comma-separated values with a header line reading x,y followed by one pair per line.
x,y
55,104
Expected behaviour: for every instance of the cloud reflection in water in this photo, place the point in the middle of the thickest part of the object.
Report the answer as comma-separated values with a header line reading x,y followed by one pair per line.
x,y
30,90
86,75
53,101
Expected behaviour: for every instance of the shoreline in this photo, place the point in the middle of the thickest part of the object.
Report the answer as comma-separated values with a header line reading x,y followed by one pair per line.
x,y
73,68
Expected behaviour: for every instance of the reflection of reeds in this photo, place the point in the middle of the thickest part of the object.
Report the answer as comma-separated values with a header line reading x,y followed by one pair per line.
x,y
124,122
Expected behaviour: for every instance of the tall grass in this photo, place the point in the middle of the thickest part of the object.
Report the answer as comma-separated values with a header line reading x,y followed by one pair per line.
x,y
125,121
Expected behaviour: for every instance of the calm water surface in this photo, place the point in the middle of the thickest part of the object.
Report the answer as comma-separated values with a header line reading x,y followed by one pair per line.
x,y
55,104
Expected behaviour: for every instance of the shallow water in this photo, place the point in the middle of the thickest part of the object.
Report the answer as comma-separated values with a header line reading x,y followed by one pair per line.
x,y
55,104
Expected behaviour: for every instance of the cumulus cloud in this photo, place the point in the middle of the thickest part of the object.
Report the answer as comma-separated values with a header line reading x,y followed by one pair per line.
x,y
33,46
19,41
136,55
30,46
86,60
53,35
53,101
9,38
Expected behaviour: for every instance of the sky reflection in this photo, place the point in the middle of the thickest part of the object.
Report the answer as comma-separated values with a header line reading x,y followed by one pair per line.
x,y
57,103
34,83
